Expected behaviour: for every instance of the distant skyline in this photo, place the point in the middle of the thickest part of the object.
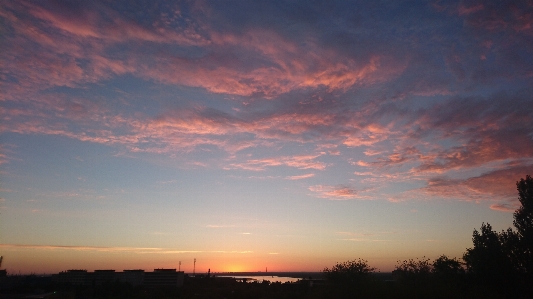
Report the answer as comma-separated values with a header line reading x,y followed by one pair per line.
x,y
250,134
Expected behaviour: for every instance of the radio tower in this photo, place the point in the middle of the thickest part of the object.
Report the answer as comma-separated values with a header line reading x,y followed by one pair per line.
x,y
194,268
179,266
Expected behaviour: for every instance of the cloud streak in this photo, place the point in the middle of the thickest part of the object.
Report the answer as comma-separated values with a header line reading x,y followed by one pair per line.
x,y
337,192
138,250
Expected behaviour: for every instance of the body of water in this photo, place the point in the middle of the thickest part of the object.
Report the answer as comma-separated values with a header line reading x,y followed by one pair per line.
x,y
270,278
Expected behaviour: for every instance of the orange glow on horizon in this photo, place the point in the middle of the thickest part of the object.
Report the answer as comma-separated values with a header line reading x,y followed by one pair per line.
x,y
234,268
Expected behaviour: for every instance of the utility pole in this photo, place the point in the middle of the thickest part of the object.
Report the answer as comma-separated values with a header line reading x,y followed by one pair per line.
x,y
179,266
194,268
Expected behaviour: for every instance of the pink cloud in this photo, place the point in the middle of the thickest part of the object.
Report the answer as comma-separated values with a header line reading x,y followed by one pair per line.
x,y
399,157
367,135
3,156
494,146
179,130
301,177
499,182
336,192
261,80
184,129
504,207
463,10
49,44
290,123
99,21
498,17
334,152
189,122
284,66
476,132
40,56
300,162
495,185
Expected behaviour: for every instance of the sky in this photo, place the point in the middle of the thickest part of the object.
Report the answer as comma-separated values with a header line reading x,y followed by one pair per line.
x,y
288,135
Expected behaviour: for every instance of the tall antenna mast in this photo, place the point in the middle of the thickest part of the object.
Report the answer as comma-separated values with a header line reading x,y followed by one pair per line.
x,y
179,267
194,268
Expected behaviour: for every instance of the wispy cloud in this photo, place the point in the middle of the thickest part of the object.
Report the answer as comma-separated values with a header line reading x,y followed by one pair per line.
x,y
496,186
339,192
300,177
219,225
300,162
491,185
363,237
504,207
139,250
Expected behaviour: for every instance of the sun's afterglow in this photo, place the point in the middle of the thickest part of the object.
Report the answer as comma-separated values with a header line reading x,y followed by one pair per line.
x,y
234,268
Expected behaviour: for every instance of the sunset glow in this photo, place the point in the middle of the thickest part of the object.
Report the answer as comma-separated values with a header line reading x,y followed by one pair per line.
x,y
254,134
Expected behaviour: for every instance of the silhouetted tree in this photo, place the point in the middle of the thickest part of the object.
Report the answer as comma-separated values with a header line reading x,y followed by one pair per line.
x,y
350,279
446,267
488,260
348,272
510,242
413,278
522,246
413,270
506,259
523,222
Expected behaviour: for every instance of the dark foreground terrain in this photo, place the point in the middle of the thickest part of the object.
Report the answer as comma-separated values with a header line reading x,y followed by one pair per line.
x,y
377,285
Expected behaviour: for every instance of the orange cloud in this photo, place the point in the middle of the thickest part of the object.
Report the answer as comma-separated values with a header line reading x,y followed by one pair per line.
x,y
367,136
300,162
504,207
337,192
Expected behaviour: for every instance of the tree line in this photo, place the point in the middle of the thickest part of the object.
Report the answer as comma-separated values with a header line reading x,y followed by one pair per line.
x,y
498,265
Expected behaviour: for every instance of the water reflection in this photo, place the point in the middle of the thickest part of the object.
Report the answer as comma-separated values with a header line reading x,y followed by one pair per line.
x,y
281,279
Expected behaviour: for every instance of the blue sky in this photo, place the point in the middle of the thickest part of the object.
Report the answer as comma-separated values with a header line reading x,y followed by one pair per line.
x,y
281,134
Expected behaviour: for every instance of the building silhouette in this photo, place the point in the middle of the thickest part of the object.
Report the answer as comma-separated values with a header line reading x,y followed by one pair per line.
x,y
157,278
163,277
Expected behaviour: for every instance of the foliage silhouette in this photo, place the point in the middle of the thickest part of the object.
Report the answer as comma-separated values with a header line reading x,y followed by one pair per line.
x,y
446,267
505,260
522,241
413,273
414,267
523,222
488,261
348,272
